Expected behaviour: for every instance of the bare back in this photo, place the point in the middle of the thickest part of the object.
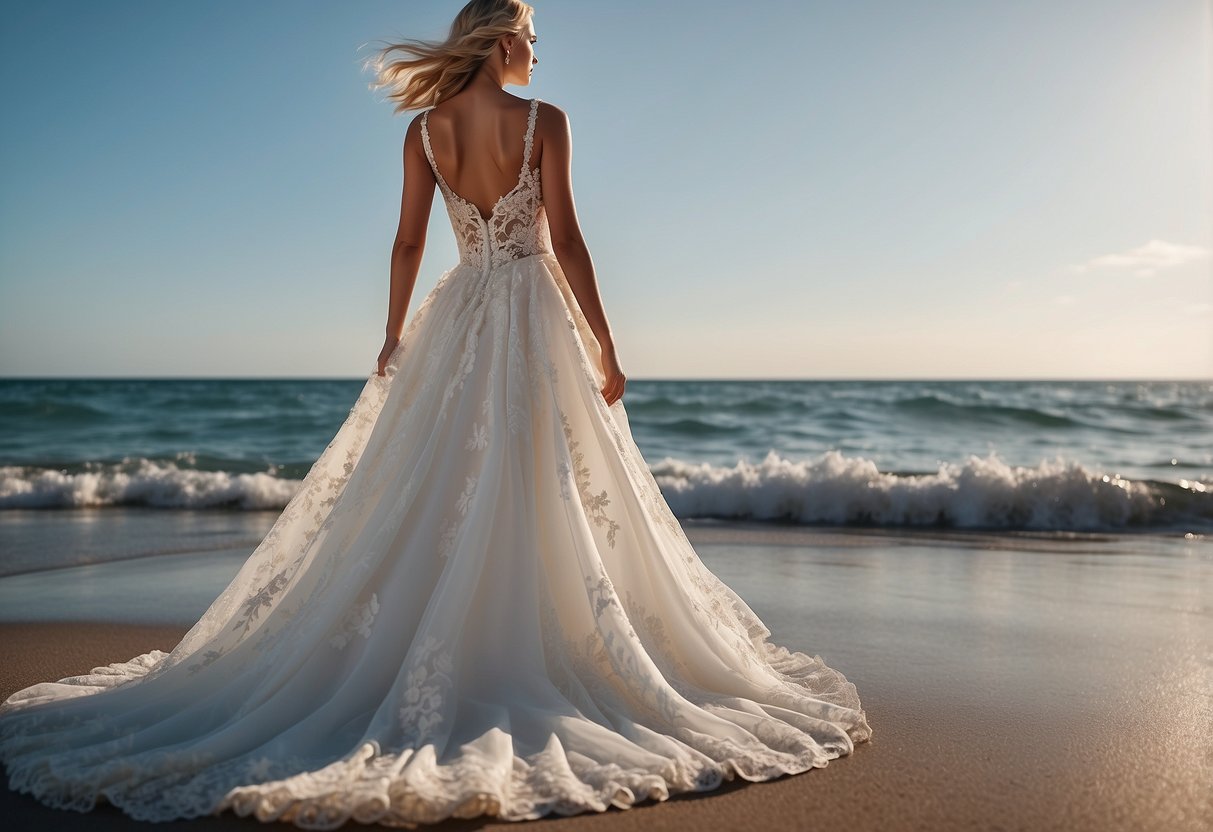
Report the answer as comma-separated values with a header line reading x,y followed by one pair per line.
x,y
478,148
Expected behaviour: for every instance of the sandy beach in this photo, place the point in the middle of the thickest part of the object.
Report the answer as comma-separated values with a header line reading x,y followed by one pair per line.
x,y
1023,681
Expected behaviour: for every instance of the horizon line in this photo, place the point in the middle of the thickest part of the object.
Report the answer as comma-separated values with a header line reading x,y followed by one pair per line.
x,y
635,378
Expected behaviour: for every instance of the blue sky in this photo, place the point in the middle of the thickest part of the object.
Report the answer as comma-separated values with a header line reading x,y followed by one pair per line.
x,y
775,190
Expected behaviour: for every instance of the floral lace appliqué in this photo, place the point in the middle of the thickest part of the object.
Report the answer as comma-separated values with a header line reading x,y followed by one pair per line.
x,y
594,504
479,440
357,622
426,684
469,490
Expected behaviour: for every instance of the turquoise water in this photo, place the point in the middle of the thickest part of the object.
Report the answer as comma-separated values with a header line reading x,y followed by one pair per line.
x,y
990,454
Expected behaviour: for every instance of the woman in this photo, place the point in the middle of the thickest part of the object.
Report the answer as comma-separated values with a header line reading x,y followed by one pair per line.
x,y
478,602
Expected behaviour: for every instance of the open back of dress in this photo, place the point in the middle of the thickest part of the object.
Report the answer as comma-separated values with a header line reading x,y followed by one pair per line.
x,y
517,226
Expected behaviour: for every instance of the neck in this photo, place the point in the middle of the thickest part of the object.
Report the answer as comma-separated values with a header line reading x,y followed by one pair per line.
x,y
490,77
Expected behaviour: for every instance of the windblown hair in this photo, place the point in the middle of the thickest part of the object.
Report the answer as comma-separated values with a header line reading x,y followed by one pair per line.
x,y
439,70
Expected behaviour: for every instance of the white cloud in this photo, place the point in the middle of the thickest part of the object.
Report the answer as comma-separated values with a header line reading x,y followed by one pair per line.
x,y
1147,260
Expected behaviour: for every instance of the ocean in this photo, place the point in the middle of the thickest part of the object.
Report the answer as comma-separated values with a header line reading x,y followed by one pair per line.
x,y
1005,455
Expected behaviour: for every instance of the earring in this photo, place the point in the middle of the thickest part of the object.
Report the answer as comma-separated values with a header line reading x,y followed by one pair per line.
x,y
507,56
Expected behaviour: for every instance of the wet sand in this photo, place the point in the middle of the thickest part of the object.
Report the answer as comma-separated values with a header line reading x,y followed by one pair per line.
x,y
1011,681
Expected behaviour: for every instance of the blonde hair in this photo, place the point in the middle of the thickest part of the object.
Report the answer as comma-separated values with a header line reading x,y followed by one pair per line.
x,y
438,70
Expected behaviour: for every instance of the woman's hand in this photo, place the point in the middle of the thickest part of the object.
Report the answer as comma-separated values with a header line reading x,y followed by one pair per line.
x,y
389,345
612,391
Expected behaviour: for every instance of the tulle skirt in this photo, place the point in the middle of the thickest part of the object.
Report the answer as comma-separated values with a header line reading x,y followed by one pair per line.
x,y
477,603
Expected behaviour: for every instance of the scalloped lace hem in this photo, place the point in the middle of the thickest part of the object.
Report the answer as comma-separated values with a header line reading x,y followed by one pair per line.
x,y
596,790
359,789
405,789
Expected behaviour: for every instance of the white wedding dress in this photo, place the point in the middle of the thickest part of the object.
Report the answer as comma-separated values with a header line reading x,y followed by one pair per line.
x,y
477,603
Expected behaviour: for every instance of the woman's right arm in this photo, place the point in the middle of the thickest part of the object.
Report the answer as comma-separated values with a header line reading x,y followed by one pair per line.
x,y
556,181
415,201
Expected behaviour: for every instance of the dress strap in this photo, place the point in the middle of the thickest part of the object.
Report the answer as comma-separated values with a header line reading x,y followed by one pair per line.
x,y
530,137
429,151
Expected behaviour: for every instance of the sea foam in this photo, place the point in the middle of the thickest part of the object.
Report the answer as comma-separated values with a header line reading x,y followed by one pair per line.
x,y
144,482
832,489
982,492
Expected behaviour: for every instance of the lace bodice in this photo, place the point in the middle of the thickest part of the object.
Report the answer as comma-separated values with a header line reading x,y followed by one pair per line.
x,y
517,226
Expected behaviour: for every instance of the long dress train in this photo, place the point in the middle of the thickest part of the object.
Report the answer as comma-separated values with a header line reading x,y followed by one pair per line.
x,y
477,602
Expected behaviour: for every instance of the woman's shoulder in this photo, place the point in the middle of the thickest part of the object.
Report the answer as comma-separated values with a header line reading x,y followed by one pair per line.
x,y
549,118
